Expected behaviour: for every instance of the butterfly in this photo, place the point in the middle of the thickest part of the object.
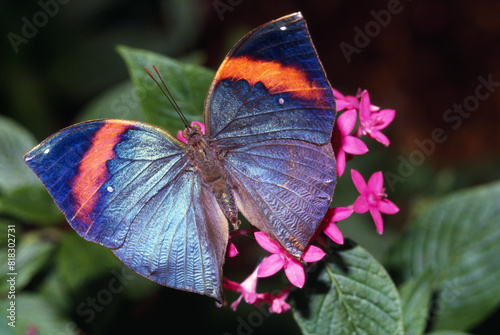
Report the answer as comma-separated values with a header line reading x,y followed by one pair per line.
x,y
162,206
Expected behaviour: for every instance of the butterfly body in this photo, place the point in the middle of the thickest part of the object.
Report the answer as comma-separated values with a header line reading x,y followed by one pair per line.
x,y
207,161
162,206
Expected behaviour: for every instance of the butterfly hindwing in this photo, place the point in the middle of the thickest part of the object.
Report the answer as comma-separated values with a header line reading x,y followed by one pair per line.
x,y
127,186
283,187
271,86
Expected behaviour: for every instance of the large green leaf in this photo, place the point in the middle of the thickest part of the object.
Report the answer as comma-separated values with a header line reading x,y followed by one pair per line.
x,y
351,295
31,253
456,239
31,203
448,332
21,193
119,102
15,141
187,83
33,315
80,261
415,300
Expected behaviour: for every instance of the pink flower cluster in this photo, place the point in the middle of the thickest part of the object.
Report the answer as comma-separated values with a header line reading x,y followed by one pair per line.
x,y
371,119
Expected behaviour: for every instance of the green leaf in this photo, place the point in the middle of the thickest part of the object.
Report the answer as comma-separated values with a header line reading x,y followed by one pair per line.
x,y
36,315
80,261
31,254
187,83
351,295
119,102
15,141
31,203
21,193
457,240
415,300
448,332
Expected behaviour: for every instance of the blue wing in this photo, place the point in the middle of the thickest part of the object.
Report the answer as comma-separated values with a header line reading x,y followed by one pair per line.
x,y
271,86
128,186
283,187
271,110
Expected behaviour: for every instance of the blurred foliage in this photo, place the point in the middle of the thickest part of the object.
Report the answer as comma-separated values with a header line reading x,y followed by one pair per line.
x,y
427,59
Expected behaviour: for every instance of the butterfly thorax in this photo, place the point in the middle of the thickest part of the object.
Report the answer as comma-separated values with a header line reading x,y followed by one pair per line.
x,y
209,164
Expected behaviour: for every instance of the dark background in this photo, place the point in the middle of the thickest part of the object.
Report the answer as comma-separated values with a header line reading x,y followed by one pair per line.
x,y
423,59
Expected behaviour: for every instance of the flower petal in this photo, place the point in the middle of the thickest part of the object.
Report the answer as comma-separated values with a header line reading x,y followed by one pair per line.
x,y
376,182
267,243
359,182
232,286
379,223
340,162
249,285
295,272
340,213
337,94
334,233
312,254
354,145
279,305
231,250
180,137
379,137
387,207
385,117
364,106
346,121
270,265
342,104
235,304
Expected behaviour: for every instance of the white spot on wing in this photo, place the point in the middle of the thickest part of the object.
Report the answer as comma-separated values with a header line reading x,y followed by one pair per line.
x,y
281,101
110,189
283,28
46,151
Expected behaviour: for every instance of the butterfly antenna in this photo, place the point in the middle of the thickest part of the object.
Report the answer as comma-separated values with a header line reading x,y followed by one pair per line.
x,y
164,89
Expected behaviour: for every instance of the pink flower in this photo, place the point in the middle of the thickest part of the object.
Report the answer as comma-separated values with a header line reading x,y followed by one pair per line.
x,y
183,139
371,122
349,102
372,198
248,293
278,304
247,289
281,258
231,250
342,142
332,216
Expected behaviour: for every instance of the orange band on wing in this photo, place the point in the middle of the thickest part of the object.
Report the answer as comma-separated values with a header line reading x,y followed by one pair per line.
x,y
92,171
274,75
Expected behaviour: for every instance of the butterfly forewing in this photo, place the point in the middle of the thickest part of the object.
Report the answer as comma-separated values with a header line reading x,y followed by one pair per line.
x,y
271,86
127,186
